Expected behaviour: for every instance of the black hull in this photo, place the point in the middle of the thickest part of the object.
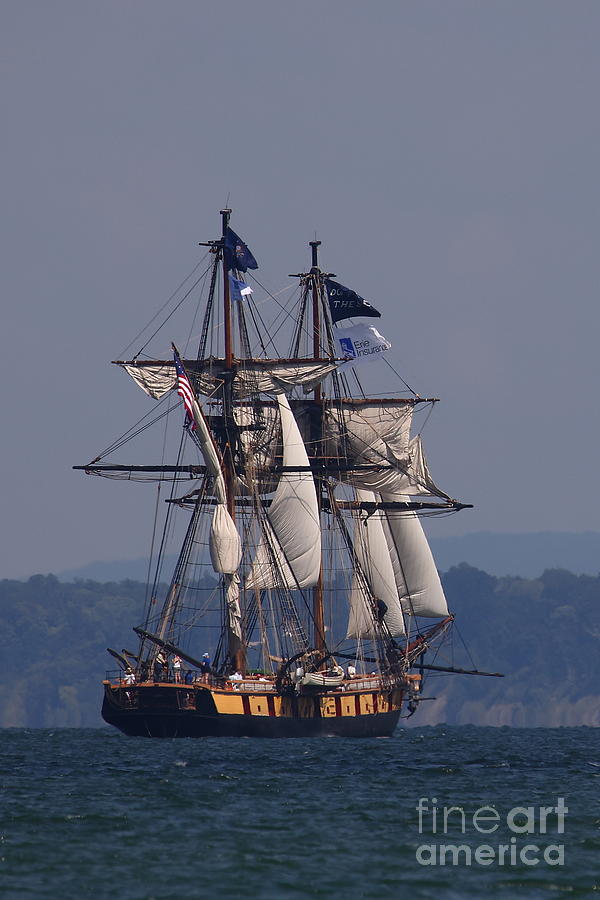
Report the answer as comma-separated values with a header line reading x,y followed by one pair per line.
x,y
208,722
194,725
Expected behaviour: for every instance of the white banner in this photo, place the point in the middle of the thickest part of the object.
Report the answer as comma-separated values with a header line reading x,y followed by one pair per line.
x,y
360,343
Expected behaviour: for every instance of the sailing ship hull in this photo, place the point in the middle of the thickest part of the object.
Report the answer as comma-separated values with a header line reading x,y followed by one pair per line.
x,y
169,711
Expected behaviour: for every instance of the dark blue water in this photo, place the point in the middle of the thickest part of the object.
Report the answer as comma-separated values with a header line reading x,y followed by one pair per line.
x,y
90,813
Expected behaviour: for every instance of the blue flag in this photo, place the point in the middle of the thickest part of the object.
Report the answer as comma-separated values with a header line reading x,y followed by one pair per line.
x,y
345,303
237,255
238,289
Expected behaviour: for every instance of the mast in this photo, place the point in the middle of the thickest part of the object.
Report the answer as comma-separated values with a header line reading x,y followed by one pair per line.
x,y
315,274
316,310
236,652
228,377
225,214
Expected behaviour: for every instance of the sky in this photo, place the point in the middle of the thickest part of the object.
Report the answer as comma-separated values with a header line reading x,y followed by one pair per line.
x,y
444,151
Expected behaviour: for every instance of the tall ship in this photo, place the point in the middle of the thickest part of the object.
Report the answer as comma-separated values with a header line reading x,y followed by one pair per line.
x,y
304,600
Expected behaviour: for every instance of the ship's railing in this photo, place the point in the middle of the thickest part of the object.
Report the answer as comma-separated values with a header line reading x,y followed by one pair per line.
x,y
255,684
250,684
187,677
361,683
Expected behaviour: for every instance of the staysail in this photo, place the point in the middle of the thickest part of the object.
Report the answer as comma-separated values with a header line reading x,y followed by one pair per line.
x,y
289,551
417,579
373,557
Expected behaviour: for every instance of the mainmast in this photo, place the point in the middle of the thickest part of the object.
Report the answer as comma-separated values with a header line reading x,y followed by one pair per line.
x,y
225,214
317,287
315,273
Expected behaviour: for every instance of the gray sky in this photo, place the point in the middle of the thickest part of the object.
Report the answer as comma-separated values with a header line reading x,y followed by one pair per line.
x,y
446,153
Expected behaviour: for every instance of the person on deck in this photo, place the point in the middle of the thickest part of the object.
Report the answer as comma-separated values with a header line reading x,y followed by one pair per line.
x,y
129,679
177,668
205,667
159,665
351,670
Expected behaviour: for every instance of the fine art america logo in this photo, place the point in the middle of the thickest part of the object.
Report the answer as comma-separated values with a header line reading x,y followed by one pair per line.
x,y
520,822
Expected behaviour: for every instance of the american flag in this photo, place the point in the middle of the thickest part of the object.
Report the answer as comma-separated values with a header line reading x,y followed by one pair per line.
x,y
185,390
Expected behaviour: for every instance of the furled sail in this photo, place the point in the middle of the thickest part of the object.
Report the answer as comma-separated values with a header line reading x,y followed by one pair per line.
x,y
368,432
374,560
417,579
209,451
376,437
289,551
224,542
232,601
252,375
260,442
411,476
418,477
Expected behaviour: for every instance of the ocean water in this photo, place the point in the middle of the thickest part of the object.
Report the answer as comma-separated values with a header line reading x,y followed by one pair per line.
x,y
91,813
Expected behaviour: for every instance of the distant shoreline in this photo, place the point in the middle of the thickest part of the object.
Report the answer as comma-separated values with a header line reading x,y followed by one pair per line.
x,y
525,555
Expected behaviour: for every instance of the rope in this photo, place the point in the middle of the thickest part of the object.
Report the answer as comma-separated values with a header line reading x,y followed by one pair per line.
x,y
134,431
165,304
172,313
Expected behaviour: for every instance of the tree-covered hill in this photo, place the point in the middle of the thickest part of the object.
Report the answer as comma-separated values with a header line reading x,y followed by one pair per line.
x,y
54,647
544,634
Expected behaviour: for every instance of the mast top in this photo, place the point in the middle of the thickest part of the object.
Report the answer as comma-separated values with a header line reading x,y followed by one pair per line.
x,y
225,214
315,253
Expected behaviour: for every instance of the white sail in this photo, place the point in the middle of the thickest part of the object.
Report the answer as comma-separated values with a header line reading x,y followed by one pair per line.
x,y
419,480
252,376
369,433
410,475
289,551
373,557
155,380
210,453
224,542
232,599
417,578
